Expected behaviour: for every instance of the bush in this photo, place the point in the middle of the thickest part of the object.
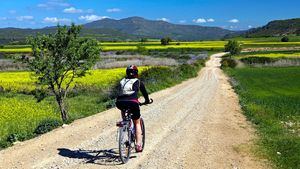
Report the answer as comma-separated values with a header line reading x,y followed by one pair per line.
x,y
47,125
16,137
166,41
233,47
120,52
258,60
285,39
228,62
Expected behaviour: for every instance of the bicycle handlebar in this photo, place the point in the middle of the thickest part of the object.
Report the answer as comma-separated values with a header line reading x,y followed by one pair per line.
x,y
150,102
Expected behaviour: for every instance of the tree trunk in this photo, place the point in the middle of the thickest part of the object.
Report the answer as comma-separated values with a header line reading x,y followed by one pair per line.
x,y
62,108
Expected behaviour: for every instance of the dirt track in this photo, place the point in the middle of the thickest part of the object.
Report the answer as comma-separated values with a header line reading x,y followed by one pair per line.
x,y
197,124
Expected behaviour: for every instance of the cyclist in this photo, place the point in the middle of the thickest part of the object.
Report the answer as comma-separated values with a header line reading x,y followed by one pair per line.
x,y
128,97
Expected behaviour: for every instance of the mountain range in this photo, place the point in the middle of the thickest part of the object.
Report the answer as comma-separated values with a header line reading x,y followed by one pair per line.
x,y
132,28
276,28
135,28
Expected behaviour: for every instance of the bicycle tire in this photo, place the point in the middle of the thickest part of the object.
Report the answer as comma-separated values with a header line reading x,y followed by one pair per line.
x,y
143,133
124,144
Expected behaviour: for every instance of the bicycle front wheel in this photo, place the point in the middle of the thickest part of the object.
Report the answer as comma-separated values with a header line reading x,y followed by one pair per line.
x,y
124,144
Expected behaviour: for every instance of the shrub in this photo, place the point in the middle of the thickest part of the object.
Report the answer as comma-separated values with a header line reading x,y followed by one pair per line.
x,y
166,41
46,126
285,39
257,60
228,62
16,137
120,52
233,47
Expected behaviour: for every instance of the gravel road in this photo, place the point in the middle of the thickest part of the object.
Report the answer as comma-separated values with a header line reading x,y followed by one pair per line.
x,y
196,124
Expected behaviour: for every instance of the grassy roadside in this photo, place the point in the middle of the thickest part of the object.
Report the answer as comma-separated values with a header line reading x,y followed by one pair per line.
x,y
29,118
270,100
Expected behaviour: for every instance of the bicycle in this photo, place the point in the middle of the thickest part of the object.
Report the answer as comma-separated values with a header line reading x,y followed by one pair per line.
x,y
127,134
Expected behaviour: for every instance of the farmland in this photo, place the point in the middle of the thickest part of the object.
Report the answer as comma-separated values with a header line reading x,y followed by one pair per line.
x,y
25,81
176,45
270,99
271,54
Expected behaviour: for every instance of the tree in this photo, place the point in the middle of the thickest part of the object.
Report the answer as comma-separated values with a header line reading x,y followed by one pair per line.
x,y
166,41
143,40
285,39
233,47
59,58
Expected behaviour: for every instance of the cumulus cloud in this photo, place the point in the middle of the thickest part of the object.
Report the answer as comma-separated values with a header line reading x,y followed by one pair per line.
x,y
12,11
163,19
51,4
72,10
113,10
3,18
200,20
234,21
89,11
90,18
24,18
210,20
56,20
250,26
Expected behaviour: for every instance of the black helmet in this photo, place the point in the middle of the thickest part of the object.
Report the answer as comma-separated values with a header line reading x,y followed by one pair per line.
x,y
132,71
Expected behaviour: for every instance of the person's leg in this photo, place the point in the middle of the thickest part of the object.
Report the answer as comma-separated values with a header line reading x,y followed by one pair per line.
x,y
138,131
137,123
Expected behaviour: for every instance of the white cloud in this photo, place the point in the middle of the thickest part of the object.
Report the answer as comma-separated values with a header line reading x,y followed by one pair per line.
x,y
72,10
89,11
210,20
250,26
12,11
234,21
3,18
164,19
182,21
199,20
56,20
113,10
50,4
90,18
23,18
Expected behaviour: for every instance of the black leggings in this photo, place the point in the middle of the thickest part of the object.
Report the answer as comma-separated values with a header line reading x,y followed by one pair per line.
x,y
132,106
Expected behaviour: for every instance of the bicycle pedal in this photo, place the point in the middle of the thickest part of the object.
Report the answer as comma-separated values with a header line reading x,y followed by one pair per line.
x,y
119,124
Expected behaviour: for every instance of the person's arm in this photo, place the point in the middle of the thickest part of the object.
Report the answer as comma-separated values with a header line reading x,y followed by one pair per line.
x,y
144,92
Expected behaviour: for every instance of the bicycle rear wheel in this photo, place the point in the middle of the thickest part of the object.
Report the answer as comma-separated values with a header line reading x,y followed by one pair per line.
x,y
143,133
124,144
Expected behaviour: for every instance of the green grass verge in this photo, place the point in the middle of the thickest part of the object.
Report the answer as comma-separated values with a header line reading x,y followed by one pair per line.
x,y
270,99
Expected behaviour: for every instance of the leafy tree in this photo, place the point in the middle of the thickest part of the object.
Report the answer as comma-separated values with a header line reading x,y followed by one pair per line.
x,y
143,40
59,58
166,41
233,47
285,39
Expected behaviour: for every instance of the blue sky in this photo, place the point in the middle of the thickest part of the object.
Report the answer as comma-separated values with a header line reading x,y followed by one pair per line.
x,y
229,14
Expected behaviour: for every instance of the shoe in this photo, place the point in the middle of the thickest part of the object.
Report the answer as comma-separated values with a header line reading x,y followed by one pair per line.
x,y
138,148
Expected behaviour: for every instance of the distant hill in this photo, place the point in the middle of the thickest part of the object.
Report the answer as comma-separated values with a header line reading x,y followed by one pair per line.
x,y
276,28
157,29
19,35
132,28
